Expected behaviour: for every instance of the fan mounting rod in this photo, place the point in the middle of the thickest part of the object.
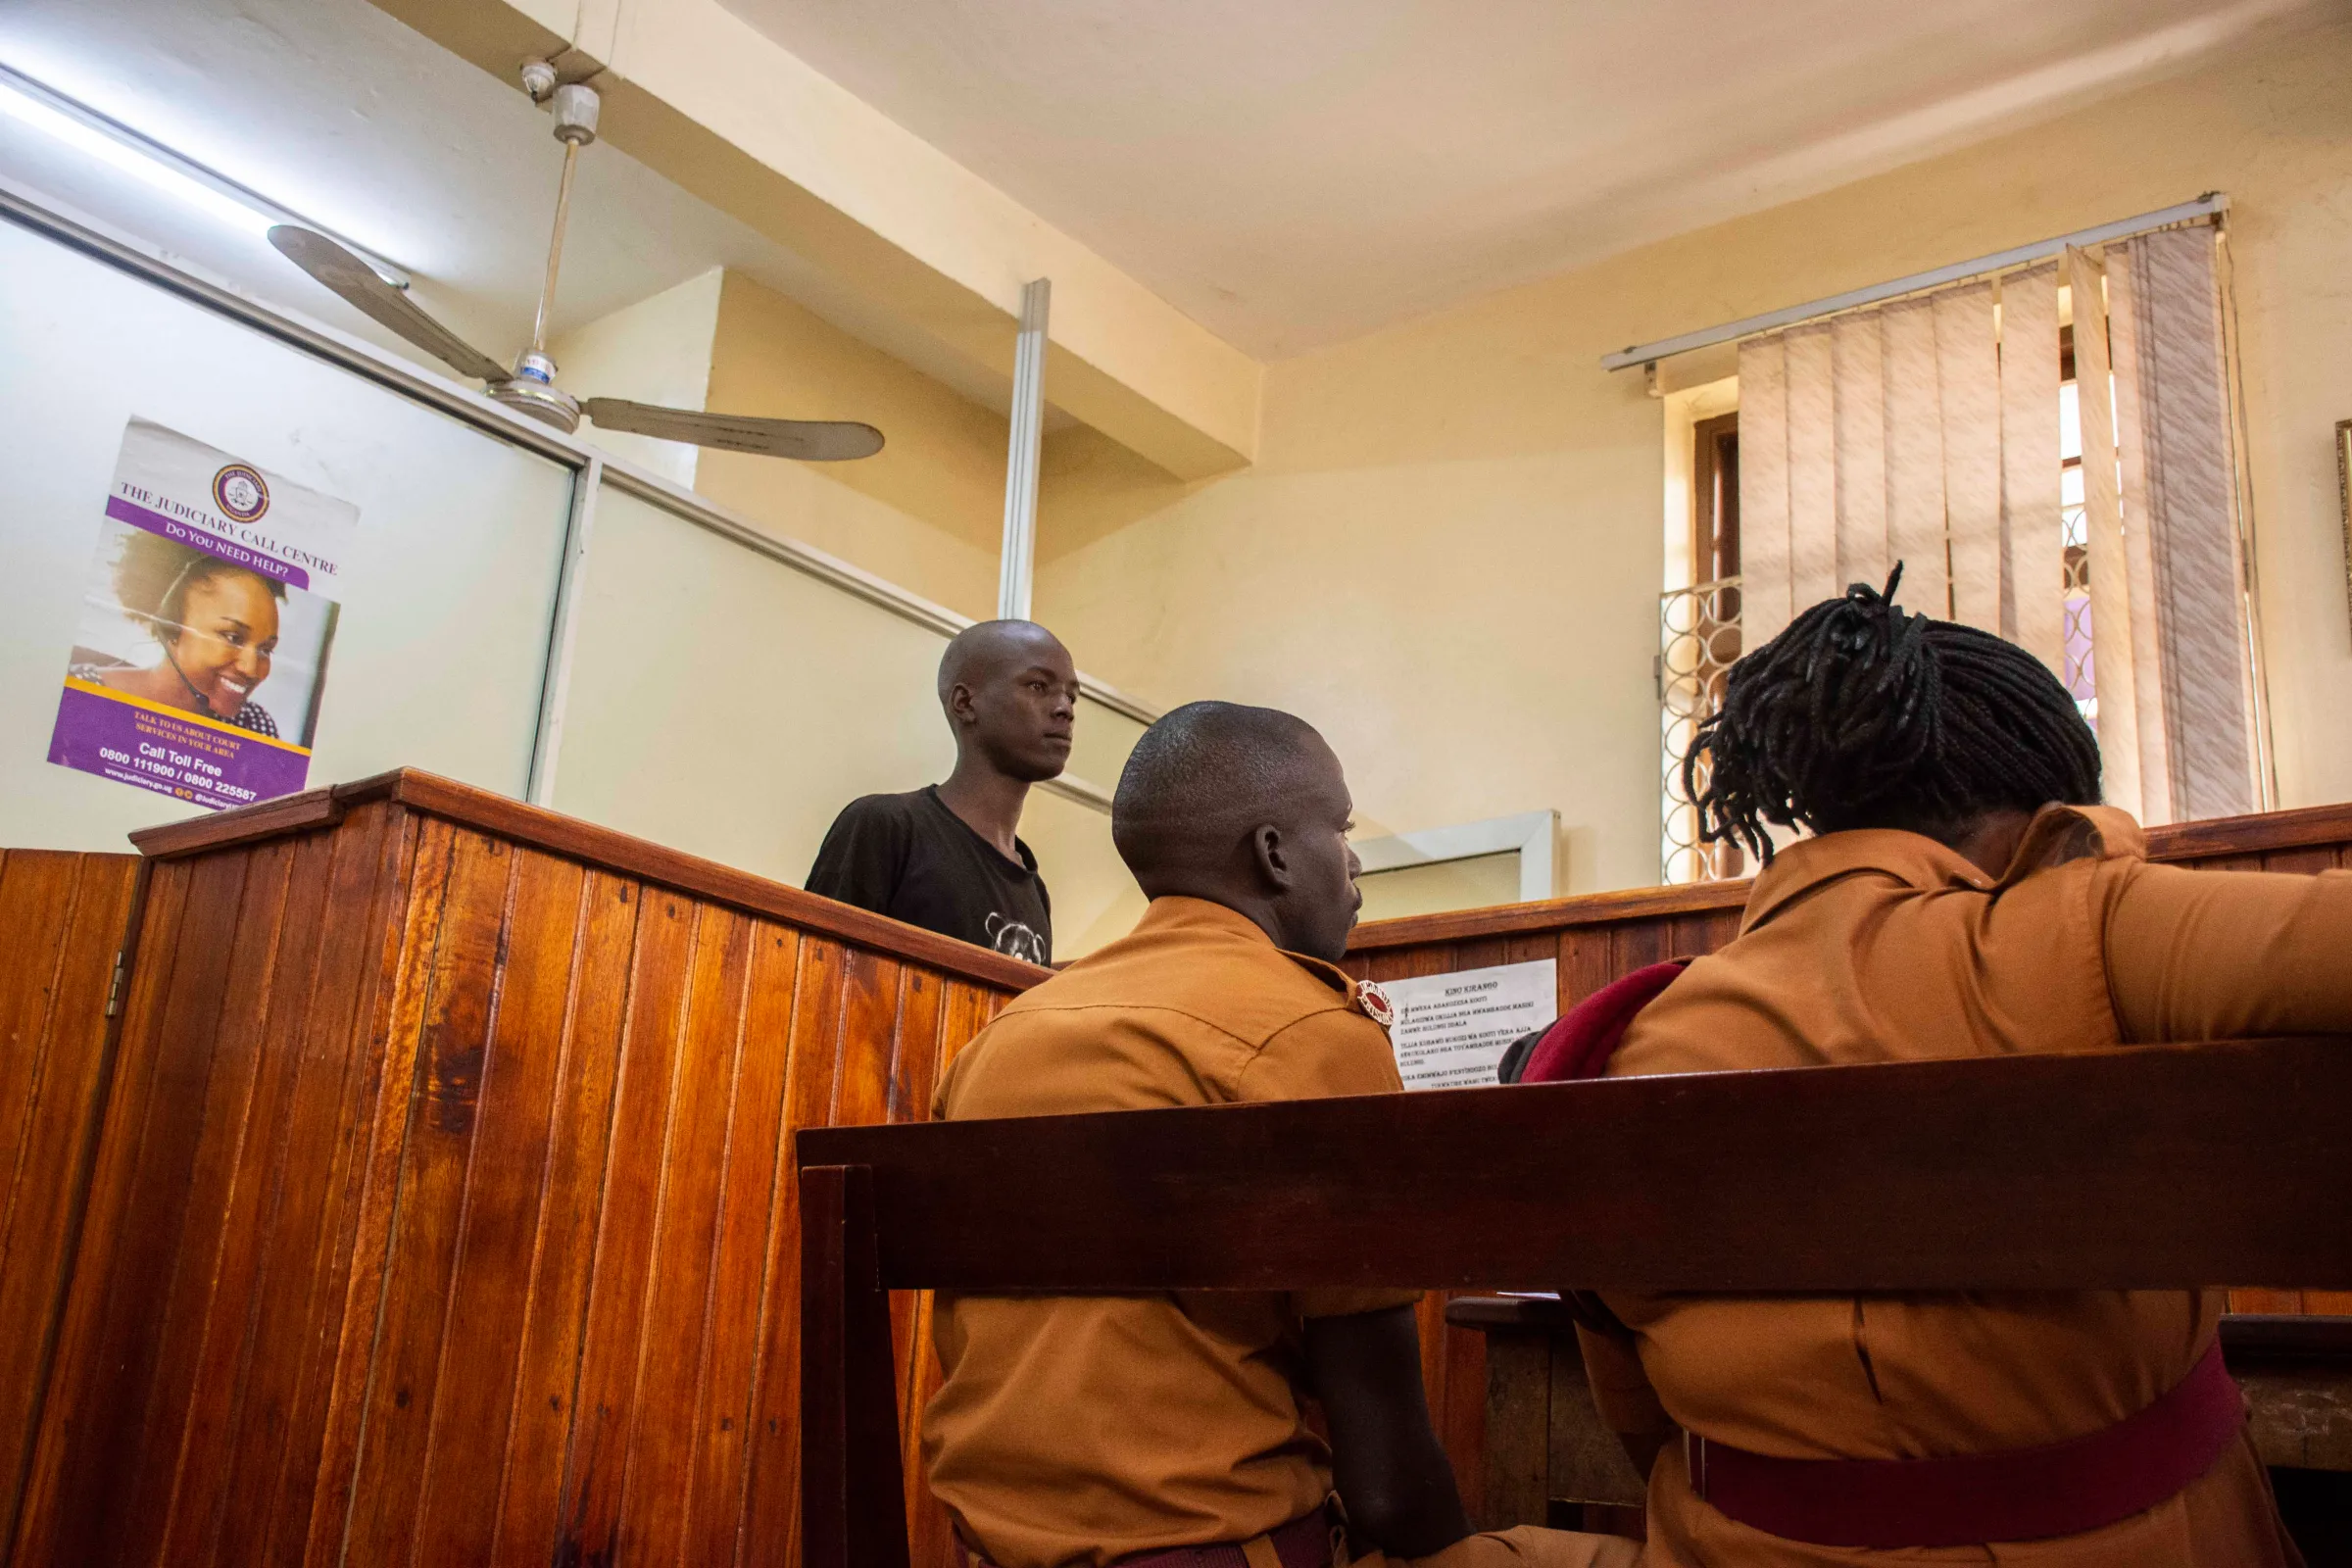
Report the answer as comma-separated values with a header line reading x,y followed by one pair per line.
x,y
576,106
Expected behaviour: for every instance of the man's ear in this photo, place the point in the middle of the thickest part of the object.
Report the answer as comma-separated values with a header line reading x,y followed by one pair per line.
x,y
1266,851
960,704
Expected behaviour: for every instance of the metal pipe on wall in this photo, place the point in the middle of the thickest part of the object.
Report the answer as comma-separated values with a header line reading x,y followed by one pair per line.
x,y
1017,563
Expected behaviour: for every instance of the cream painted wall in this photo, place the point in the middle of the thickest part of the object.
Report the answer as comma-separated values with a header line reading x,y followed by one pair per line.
x,y
655,350
925,513
1450,551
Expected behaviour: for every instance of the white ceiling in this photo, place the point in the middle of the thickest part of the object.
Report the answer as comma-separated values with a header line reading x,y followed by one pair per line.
x,y
342,113
1293,172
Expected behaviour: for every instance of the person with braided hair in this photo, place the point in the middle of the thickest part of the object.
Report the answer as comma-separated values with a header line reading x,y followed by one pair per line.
x,y
1946,883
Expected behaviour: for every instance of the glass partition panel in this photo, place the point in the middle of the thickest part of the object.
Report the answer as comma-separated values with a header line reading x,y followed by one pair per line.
x,y
439,644
729,704
1477,882
1100,741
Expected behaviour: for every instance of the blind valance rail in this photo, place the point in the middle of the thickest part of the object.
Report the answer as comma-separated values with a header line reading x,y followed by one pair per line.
x,y
2210,204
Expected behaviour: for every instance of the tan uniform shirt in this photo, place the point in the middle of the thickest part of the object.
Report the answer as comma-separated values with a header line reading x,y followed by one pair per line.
x,y
1879,946
1081,1429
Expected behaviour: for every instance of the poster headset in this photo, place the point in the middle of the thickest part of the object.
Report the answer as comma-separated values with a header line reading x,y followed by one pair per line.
x,y
531,388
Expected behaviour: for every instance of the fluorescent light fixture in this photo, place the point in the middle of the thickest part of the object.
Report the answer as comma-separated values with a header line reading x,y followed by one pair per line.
x,y
118,146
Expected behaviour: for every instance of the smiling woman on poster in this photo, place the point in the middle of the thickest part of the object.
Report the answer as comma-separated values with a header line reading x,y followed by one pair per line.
x,y
214,621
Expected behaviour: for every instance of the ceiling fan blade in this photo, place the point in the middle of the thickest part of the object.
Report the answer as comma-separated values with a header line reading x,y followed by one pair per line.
x,y
806,440
364,291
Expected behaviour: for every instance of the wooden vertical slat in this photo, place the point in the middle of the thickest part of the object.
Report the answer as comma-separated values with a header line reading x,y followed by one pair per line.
x,y
869,1003
2250,861
204,1249
446,1114
756,1163
596,1463
37,907
1518,1421
2303,861
63,918
580,1130
922,1026
223,1335
76,1509
319,1500
1482,953
1586,965
1692,936
771,1529
505,1184
1462,1422
55,1517
915,1059
675,1332
1637,944
965,1011
390,873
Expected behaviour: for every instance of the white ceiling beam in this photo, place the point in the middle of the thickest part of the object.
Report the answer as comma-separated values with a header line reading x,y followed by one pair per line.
x,y
724,111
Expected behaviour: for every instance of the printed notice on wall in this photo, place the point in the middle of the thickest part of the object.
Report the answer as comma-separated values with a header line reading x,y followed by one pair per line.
x,y
200,655
1451,1030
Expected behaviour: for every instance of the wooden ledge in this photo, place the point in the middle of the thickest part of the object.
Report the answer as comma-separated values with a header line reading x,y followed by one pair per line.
x,y
1548,914
2253,834
2256,834
604,848
2252,1341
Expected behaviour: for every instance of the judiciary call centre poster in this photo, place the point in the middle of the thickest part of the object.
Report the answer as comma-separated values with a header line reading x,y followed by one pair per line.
x,y
200,654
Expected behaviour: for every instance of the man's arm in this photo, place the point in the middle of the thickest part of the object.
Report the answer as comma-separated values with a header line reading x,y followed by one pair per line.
x,y
864,856
1386,1463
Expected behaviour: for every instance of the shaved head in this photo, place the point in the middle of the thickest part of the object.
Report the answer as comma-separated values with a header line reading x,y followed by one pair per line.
x,y
989,650
1244,806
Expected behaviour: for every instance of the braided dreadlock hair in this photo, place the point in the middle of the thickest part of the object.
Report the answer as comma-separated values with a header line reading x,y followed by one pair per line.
x,y
1863,715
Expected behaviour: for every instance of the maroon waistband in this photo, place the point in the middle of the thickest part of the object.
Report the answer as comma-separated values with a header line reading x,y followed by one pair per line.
x,y
1303,1543
2060,1489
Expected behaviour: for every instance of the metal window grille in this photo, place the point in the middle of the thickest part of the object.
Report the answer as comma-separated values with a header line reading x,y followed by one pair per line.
x,y
1699,629
1699,640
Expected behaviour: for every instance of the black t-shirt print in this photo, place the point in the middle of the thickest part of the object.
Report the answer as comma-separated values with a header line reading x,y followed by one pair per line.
x,y
911,857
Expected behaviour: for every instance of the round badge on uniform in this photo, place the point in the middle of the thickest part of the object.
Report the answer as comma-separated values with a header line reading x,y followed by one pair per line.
x,y
1375,1002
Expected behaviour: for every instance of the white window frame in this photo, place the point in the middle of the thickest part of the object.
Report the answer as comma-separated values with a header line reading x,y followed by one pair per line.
x,y
1531,835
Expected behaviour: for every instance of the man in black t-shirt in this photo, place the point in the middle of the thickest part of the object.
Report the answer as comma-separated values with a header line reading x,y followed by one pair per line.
x,y
947,856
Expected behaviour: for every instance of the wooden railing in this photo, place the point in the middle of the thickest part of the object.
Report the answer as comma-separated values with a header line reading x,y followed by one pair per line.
x,y
424,1192
442,1208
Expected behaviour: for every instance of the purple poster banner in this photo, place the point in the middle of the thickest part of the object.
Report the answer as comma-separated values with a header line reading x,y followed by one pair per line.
x,y
200,761
212,544
199,658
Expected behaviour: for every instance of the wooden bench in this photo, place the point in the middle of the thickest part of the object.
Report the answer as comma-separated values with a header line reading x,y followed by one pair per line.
x,y
2155,1168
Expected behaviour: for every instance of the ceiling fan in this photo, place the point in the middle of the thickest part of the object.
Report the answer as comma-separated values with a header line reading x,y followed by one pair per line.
x,y
530,387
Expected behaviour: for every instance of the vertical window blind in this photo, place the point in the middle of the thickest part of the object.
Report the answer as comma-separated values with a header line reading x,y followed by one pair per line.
x,y
1926,430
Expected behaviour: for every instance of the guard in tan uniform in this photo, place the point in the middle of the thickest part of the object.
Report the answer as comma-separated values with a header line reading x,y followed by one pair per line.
x,y
1946,909
1168,1429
